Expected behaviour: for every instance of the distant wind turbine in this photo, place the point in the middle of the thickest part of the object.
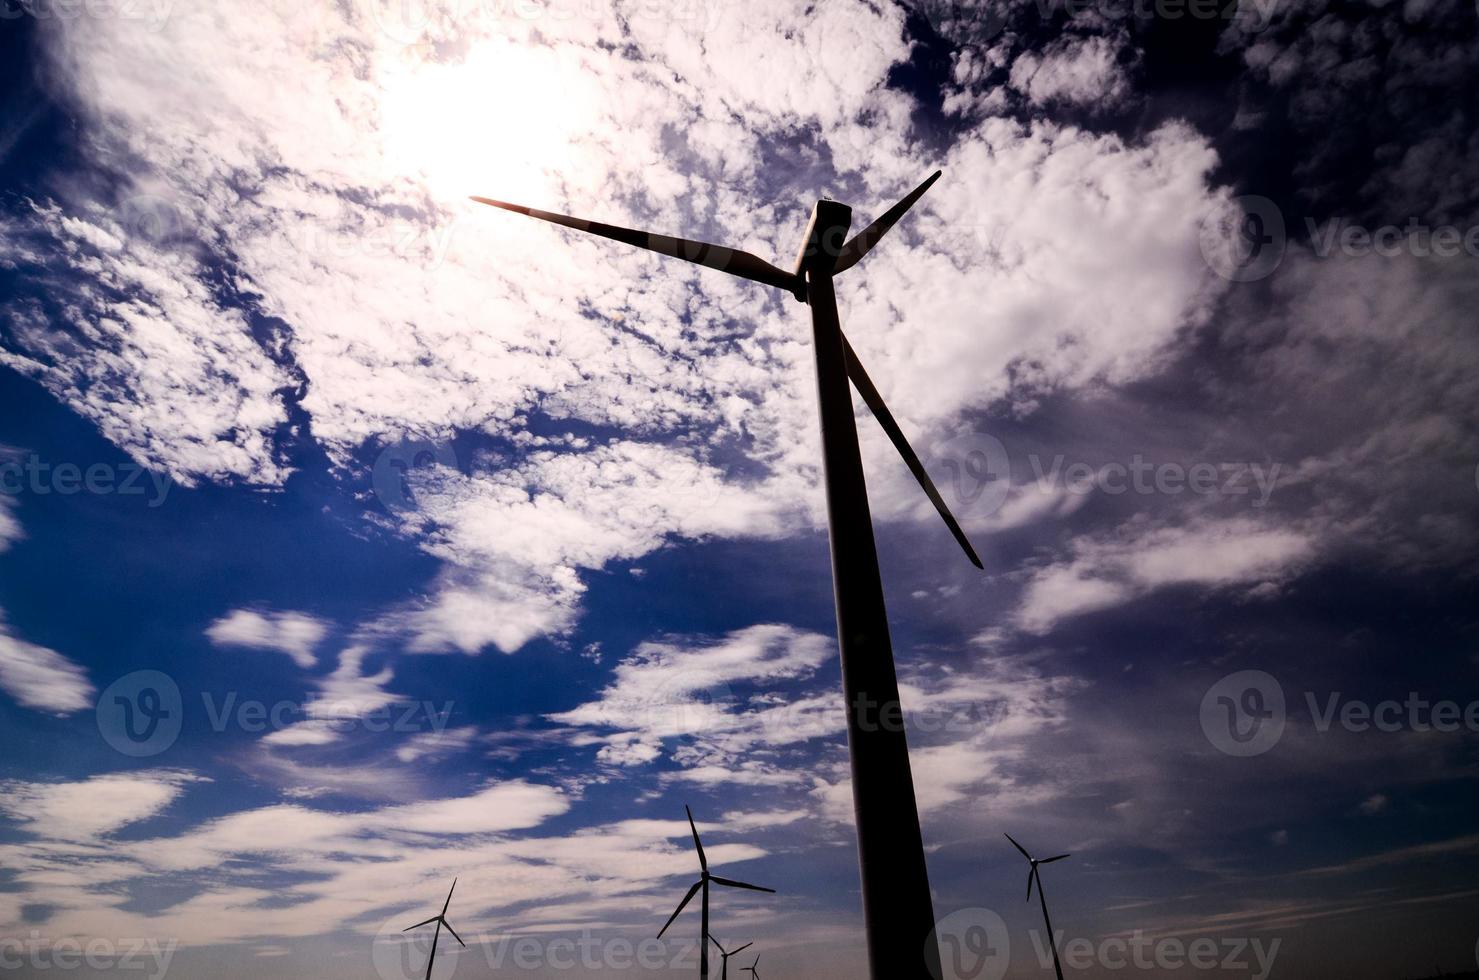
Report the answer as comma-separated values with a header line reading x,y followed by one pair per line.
x,y
440,920
754,968
1032,875
703,885
724,956
897,909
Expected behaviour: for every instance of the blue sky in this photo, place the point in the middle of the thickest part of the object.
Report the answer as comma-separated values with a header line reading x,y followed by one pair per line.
x,y
466,547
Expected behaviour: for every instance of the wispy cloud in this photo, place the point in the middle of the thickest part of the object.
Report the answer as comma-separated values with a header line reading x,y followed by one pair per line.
x,y
39,677
293,633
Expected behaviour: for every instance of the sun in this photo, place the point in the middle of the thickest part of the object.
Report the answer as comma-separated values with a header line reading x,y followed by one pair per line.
x,y
505,121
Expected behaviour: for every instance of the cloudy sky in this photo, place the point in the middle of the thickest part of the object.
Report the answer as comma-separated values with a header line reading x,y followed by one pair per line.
x,y
355,537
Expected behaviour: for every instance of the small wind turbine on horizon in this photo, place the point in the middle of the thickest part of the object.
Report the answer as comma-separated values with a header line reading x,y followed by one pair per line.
x,y
753,969
703,885
898,911
441,920
1033,875
724,956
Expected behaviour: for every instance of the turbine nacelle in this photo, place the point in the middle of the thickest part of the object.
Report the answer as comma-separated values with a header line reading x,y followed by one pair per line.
x,y
825,237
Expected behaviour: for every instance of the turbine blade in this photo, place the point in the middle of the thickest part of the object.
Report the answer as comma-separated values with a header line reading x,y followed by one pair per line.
x,y
703,861
681,905
885,418
862,243
1018,846
420,924
453,932
1052,859
730,260
449,896
739,884
742,948
716,943
1030,876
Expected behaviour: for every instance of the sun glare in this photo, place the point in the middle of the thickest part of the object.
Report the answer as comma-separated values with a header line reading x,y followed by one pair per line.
x,y
503,122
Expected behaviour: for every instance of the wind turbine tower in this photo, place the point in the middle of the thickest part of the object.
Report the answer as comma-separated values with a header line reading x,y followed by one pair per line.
x,y
897,909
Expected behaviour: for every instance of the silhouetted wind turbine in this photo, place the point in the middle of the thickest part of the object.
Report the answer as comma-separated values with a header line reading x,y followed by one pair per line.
x,y
703,885
440,920
724,956
754,968
896,897
1032,875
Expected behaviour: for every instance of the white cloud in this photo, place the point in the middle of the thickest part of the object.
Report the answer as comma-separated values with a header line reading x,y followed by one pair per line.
x,y
516,538
144,348
293,633
679,689
1048,257
41,678
1107,572
344,695
10,528
83,810
1078,71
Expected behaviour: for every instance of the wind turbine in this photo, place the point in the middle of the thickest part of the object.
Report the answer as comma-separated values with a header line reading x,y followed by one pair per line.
x,y
725,955
1033,875
703,885
440,920
897,909
754,968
